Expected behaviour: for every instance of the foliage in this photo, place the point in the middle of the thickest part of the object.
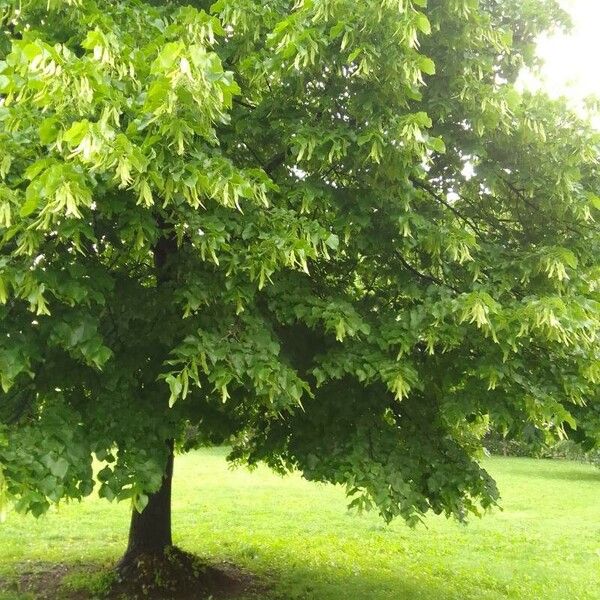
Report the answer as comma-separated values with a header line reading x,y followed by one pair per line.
x,y
297,539
333,232
536,448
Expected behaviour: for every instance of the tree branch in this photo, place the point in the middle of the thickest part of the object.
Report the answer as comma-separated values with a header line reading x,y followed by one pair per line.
x,y
424,276
431,191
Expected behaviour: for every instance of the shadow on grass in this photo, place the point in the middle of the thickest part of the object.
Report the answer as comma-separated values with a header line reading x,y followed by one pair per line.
x,y
330,584
566,473
81,581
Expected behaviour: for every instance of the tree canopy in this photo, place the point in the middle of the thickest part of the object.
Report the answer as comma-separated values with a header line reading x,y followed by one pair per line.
x,y
333,234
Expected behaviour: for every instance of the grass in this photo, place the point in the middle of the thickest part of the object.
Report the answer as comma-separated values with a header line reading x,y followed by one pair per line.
x,y
545,544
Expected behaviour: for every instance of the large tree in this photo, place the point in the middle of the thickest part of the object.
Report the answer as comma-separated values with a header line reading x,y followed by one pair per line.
x,y
331,233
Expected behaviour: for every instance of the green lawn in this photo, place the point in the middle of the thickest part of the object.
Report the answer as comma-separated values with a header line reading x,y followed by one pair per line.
x,y
544,545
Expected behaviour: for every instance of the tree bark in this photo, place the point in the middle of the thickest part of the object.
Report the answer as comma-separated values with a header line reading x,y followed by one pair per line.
x,y
150,530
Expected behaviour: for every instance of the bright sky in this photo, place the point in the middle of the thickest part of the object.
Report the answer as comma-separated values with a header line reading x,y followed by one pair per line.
x,y
573,61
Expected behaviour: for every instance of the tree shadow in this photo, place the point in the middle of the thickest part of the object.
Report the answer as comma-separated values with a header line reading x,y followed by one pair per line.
x,y
564,473
80,581
326,583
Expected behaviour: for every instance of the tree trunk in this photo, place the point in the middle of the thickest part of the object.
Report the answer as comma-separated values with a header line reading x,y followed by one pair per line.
x,y
150,530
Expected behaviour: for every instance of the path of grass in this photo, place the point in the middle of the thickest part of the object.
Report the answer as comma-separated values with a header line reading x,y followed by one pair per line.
x,y
545,545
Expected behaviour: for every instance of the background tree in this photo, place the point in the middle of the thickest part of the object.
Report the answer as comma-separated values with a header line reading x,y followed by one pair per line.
x,y
332,233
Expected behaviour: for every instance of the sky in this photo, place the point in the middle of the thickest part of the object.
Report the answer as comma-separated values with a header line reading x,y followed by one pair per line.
x,y
573,61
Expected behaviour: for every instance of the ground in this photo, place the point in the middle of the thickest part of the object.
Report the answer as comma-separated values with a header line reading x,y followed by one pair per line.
x,y
292,540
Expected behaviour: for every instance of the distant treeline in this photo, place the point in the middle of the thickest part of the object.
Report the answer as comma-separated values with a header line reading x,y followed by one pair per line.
x,y
495,443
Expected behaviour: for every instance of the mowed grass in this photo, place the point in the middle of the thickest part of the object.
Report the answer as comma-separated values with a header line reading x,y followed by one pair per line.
x,y
300,538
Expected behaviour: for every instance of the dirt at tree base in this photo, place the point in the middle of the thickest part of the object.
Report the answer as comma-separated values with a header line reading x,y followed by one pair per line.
x,y
43,581
177,575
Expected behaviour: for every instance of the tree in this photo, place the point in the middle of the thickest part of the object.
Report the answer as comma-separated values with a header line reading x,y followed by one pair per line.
x,y
333,234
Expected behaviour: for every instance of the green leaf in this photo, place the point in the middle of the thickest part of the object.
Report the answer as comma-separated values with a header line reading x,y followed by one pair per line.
x,y
59,467
167,56
48,130
139,501
104,474
32,200
106,492
33,170
333,241
423,24
76,132
175,387
594,200
437,144
426,65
